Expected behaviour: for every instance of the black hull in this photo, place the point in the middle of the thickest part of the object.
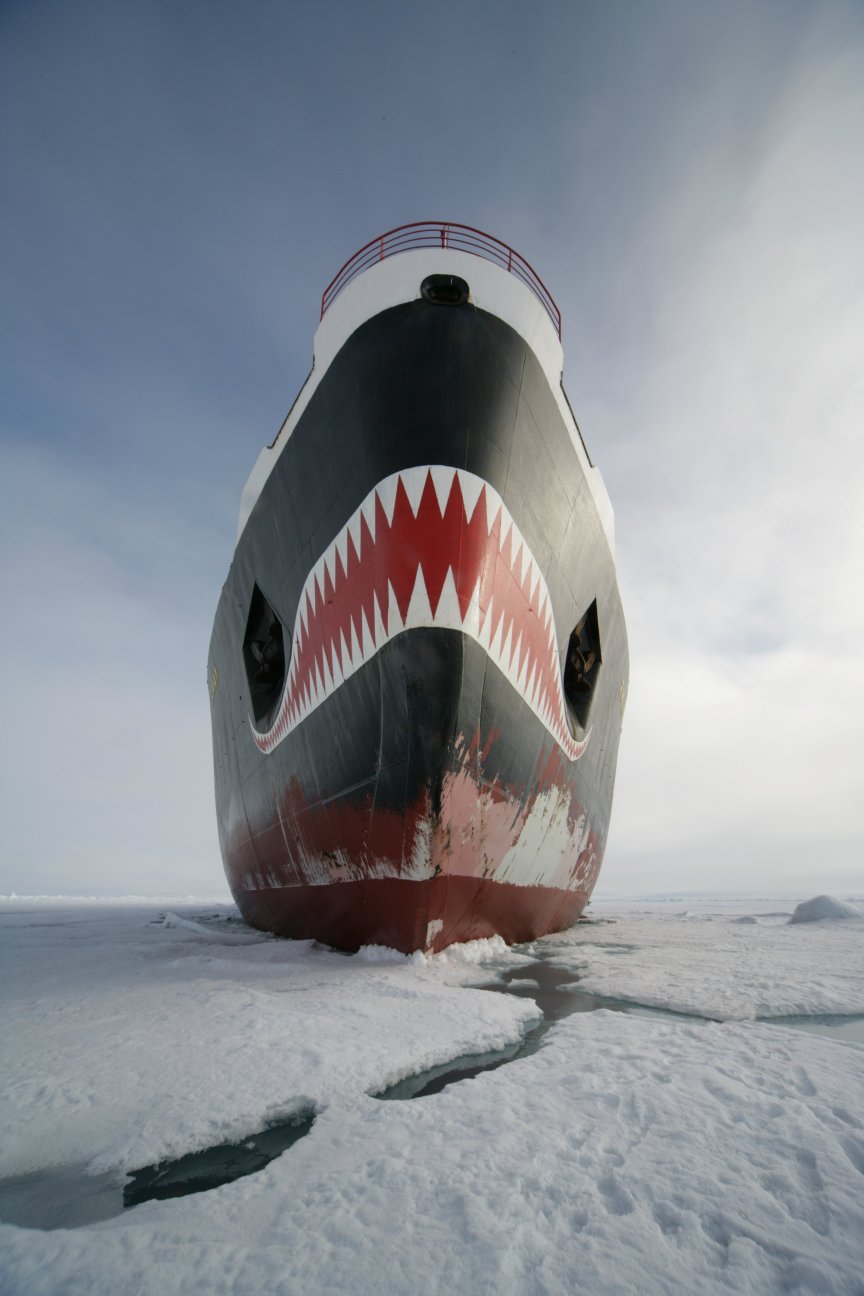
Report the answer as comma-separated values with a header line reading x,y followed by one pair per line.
x,y
423,800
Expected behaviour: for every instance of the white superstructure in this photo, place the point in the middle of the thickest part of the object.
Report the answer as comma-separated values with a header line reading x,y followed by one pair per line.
x,y
397,279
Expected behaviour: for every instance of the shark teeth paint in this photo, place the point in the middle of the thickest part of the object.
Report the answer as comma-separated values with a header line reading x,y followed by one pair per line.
x,y
429,547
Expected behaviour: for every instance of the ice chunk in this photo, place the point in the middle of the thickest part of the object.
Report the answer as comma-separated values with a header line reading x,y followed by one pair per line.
x,y
824,908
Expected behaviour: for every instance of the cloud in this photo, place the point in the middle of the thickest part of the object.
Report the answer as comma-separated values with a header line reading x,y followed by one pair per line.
x,y
104,764
739,491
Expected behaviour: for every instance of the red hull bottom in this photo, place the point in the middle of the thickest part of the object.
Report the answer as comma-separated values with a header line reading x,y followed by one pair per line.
x,y
411,915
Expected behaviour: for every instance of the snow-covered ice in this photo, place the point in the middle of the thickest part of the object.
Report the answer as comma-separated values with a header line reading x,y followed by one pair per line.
x,y
627,1155
139,1034
721,960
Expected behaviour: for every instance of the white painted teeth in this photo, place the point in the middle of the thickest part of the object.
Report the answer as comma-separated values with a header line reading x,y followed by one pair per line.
x,y
471,488
394,617
341,543
442,480
380,632
419,609
367,511
448,613
536,678
413,481
386,492
367,647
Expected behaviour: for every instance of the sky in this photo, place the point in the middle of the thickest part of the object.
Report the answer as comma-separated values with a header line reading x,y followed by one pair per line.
x,y
179,183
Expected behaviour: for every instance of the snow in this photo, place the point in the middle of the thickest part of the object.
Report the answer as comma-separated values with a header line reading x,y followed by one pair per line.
x,y
139,1036
630,1154
825,908
723,961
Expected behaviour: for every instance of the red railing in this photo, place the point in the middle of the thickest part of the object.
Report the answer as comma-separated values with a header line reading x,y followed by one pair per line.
x,y
442,234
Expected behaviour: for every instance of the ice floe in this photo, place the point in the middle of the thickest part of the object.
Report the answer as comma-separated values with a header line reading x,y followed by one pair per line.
x,y
725,961
627,1155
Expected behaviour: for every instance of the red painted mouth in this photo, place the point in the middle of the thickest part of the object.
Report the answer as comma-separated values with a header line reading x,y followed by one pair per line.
x,y
429,547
